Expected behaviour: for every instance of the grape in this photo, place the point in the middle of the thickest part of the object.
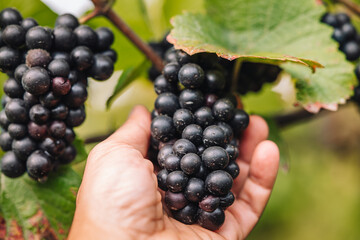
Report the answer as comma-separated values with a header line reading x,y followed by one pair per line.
x,y
161,177
214,136
82,57
38,164
36,81
86,36
183,146
218,182
13,89
11,166
64,38
175,201
171,71
59,68
162,128
172,163
62,86
233,169
193,133
187,215
105,38
9,59
102,67
223,110
68,155
176,181
195,190
215,158
37,58
348,31
75,117
5,141
190,163
67,20
161,85
111,54
167,104
17,131
209,203
191,75
227,200
16,111
13,36
38,37
214,81
23,147
28,23
9,16
191,99
211,220
182,118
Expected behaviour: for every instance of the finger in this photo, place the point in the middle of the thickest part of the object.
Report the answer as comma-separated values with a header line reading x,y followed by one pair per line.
x,y
257,188
256,132
135,131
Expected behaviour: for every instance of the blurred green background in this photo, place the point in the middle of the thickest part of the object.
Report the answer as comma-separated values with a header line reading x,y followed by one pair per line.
x,y
318,197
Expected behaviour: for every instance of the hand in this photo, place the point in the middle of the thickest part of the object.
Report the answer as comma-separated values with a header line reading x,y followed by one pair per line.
x,y
119,198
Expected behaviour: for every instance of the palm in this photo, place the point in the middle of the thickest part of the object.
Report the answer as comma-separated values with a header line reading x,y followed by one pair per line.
x,y
119,190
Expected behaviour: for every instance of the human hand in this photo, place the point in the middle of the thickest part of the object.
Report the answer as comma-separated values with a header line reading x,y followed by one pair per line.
x,y
119,199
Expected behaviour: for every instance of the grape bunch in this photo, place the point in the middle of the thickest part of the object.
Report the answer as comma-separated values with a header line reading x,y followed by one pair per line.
x,y
349,42
46,89
344,33
252,76
195,124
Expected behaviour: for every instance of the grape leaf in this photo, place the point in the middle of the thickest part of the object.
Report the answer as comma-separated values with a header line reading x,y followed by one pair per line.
x,y
286,32
35,210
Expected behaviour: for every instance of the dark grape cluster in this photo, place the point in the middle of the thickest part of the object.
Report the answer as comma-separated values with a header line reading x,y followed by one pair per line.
x,y
344,33
349,42
195,124
251,78
46,89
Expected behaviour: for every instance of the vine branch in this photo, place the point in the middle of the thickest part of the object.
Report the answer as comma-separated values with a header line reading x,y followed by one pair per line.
x,y
284,120
103,8
355,8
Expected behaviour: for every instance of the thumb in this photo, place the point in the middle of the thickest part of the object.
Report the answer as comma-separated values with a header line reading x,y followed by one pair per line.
x,y
135,131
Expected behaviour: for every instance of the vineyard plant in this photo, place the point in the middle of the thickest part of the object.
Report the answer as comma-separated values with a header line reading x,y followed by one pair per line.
x,y
202,69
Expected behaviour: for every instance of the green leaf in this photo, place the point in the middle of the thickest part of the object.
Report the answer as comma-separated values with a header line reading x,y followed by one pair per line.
x,y
238,29
127,76
35,210
276,32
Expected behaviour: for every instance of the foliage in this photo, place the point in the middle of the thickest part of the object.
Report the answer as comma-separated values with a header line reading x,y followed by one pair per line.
x,y
277,31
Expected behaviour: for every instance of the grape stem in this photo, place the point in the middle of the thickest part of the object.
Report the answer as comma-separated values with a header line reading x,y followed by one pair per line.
x,y
355,8
106,11
235,75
